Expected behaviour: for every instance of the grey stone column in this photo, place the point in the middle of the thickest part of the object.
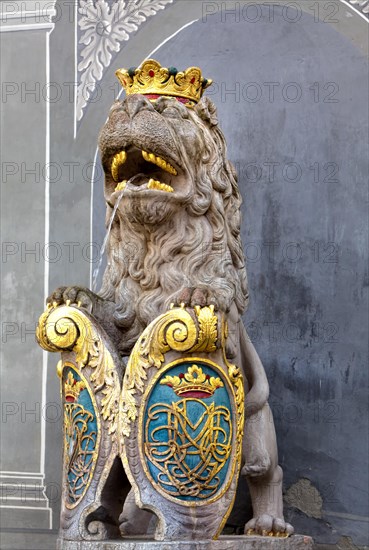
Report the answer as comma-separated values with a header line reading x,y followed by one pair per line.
x,y
25,30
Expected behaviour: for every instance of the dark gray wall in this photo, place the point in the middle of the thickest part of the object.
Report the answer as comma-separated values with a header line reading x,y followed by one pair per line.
x,y
305,238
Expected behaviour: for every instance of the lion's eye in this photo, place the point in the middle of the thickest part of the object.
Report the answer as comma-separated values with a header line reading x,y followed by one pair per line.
x,y
171,108
171,112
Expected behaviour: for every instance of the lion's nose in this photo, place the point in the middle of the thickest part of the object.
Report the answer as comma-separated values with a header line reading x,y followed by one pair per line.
x,y
136,103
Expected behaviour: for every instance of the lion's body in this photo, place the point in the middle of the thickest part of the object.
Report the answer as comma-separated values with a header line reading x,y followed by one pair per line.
x,y
188,238
179,241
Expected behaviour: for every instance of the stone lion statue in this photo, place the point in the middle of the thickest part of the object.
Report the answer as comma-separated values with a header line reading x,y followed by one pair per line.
x,y
175,238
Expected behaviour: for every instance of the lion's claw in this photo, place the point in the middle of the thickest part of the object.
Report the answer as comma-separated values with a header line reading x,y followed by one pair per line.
x,y
191,297
73,295
268,526
56,298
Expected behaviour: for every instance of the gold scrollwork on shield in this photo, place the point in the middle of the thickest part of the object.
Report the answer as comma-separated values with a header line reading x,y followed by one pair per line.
x,y
67,328
205,441
81,435
174,330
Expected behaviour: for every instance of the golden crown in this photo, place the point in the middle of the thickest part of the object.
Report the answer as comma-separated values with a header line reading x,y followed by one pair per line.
x,y
72,388
193,383
153,81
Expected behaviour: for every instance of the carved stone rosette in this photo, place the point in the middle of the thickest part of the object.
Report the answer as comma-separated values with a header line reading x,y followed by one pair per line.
x,y
181,417
90,375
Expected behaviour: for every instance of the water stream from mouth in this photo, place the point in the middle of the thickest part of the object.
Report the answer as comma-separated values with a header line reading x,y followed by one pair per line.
x,y
96,271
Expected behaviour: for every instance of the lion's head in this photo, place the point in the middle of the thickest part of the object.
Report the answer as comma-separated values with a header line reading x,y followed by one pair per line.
x,y
177,223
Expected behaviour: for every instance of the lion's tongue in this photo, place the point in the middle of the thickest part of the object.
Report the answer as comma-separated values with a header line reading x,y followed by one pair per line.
x,y
138,179
143,181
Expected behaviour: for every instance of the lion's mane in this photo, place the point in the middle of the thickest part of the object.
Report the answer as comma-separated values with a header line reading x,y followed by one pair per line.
x,y
199,247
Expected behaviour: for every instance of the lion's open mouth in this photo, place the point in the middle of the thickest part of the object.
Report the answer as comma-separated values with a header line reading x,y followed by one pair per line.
x,y
139,170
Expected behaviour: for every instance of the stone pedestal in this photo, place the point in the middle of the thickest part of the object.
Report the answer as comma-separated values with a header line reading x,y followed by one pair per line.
x,y
229,542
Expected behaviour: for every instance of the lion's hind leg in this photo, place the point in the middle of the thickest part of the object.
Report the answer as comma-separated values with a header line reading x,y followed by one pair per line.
x,y
133,520
264,476
260,453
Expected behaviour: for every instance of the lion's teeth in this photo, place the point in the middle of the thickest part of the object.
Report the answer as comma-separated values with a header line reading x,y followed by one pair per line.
x,y
169,168
155,184
161,162
118,160
150,157
121,185
152,184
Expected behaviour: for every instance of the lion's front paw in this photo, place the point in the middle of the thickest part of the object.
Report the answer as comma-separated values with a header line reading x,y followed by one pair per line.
x,y
268,526
198,296
73,295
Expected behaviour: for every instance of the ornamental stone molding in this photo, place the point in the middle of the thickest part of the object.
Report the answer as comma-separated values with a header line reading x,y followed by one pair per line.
x,y
103,26
360,6
27,15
